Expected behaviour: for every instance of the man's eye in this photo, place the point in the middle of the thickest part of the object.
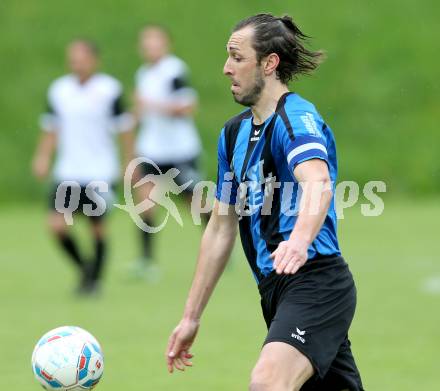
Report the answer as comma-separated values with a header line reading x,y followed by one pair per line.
x,y
236,58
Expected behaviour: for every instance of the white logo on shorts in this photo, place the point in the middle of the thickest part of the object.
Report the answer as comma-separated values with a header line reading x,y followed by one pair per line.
x,y
298,335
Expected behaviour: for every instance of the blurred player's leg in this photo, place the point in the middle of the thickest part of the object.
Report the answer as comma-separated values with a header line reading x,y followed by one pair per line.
x,y
145,267
148,218
97,265
59,229
188,175
189,172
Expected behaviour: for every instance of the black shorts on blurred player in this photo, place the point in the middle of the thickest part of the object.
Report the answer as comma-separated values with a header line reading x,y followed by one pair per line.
x,y
188,172
64,190
312,311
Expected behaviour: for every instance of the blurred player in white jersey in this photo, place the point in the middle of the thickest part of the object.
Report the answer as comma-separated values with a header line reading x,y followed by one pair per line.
x,y
84,113
168,136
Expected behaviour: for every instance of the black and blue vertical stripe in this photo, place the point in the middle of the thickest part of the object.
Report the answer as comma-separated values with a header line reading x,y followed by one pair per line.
x,y
251,156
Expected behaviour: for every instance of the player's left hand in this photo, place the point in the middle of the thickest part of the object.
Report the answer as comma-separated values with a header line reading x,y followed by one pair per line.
x,y
289,256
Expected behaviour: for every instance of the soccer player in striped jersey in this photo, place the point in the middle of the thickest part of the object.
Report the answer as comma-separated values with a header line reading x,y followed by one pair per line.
x,y
84,112
277,169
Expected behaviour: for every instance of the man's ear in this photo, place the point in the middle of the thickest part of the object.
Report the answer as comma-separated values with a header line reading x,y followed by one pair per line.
x,y
270,64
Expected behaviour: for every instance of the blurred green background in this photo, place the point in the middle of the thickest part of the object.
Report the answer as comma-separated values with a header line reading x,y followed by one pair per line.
x,y
378,89
379,92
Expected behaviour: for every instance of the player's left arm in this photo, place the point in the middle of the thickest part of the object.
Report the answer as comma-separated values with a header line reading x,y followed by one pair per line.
x,y
181,109
307,158
313,176
172,109
127,146
183,100
49,123
125,123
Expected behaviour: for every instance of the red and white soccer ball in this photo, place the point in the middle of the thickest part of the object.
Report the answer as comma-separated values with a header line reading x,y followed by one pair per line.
x,y
68,358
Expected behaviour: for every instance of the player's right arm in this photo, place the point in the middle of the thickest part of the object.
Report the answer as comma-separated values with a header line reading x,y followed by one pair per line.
x,y
215,249
43,154
48,140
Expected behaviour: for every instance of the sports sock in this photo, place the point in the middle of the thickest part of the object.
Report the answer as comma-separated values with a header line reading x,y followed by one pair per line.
x,y
147,239
70,247
99,261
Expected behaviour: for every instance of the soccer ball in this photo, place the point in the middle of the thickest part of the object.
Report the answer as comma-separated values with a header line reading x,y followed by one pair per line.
x,y
68,358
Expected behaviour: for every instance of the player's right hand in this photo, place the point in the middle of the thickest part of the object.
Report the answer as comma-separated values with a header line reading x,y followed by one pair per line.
x,y
40,167
178,355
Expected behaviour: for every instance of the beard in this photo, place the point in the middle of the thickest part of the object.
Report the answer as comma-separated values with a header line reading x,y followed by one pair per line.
x,y
251,98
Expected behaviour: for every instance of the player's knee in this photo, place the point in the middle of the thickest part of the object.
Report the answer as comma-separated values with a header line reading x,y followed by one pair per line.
x,y
267,377
98,230
57,225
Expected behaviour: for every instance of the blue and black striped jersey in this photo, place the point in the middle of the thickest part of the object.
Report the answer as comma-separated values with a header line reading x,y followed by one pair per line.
x,y
255,173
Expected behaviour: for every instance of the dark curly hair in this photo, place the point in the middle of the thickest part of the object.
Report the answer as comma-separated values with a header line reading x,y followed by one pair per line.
x,y
283,37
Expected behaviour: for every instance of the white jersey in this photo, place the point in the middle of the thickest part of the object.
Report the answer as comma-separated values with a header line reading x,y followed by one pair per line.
x,y
86,117
163,138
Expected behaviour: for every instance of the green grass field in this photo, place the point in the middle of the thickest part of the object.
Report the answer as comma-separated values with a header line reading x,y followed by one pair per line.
x,y
395,332
377,89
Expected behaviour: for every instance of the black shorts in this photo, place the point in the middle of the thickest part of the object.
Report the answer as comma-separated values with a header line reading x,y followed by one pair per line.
x,y
188,171
312,311
74,198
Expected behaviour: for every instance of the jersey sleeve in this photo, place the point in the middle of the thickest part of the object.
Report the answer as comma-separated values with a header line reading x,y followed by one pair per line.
x,y
226,191
185,96
180,87
49,118
124,121
302,138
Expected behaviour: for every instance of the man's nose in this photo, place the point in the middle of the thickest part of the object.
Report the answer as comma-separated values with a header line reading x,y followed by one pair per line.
x,y
227,70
